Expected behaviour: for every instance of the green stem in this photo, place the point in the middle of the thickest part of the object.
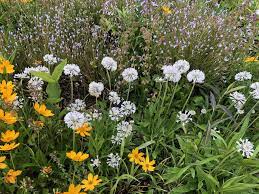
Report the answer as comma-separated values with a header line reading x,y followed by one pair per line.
x,y
128,90
74,173
188,98
74,139
72,89
11,158
172,97
109,79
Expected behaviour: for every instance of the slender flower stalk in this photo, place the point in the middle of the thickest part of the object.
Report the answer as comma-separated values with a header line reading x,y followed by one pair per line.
x,y
188,98
71,89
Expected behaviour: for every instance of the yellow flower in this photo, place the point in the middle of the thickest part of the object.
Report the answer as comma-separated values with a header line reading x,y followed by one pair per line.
x,y
166,10
6,67
251,59
136,157
1,114
39,124
148,165
78,157
9,118
6,86
11,176
46,170
84,130
91,182
9,135
41,109
74,189
2,165
9,147
8,97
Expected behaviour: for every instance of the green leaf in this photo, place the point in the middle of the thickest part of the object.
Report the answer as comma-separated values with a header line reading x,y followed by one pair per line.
x,y
238,187
144,145
235,89
241,133
53,90
44,76
175,174
211,182
58,70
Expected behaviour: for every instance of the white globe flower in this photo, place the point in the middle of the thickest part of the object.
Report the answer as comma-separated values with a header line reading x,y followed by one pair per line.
x,y
255,86
74,119
96,88
71,70
182,66
242,76
245,147
196,76
109,63
130,74
50,59
171,73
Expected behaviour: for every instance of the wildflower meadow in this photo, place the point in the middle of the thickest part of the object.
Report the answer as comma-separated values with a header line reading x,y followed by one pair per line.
x,y
129,97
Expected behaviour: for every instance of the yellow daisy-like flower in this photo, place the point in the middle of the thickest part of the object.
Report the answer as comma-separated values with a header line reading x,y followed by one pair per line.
x,y
2,165
91,182
74,189
9,147
6,67
42,110
251,59
9,118
9,135
148,165
6,86
84,130
136,157
11,176
166,10
8,97
77,157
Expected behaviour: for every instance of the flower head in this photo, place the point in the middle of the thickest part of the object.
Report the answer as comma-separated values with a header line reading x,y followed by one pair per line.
x,y
244,75
91,182
251,59
114,98
77,157
74,119
78,105
109,63
184,117
72,70
166,10
50,59
84,130
128,108
113,160
9,147
130,74
95,162
196,76
96,88
2,165
6,67
42,110
171,73
9,135
9,118
11,176
245,147
135,156
148,165
74,189
182,66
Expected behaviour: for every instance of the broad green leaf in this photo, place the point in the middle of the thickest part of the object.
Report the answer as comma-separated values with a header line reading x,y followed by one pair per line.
x,y
44,76
238,187
211,182
58,70
172,177
53,90
144,145
241,133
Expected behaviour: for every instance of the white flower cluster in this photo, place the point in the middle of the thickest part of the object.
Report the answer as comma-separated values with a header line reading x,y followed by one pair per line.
x,y
196,76
78,105
130,74
113,160
109,63
26,72
239,100
50,59
242,76
114,98
95,162
93,115
182,66
96,88
126,109
185,117
255,88
35,83
245,147
72,70
74,119
124,129
171,73
18,103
